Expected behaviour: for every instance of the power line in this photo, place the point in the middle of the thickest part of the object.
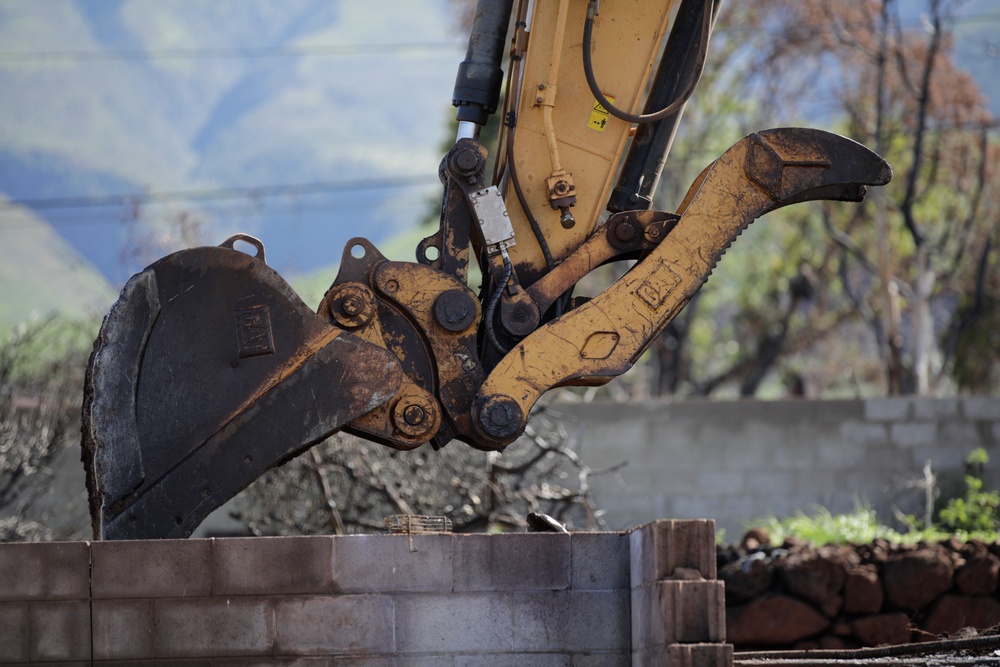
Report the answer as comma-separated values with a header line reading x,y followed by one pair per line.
x,y
819,29
323,51
340,50
291,212
214,194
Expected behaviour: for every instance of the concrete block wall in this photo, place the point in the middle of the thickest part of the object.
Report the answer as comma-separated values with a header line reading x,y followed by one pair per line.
x,y
379,600
678,606
739,460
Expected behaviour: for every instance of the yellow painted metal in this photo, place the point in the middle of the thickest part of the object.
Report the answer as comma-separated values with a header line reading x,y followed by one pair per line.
x,y
604,337
628,37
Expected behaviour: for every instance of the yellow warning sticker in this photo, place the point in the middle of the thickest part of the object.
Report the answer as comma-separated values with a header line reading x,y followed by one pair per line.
x,y
599,115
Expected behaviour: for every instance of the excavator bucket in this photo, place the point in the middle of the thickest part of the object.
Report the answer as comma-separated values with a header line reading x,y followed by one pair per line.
x,y
208,371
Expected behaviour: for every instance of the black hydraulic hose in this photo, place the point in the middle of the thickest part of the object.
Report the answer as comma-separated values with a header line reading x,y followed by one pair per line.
x,y
550,263
491,308
670,109
535,228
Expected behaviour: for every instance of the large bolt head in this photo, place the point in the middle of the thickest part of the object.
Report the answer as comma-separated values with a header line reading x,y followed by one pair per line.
x,y
455,310
625,232
414,416
501,417
351,305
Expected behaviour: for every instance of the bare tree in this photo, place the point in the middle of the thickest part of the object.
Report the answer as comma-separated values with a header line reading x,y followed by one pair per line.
x,y
347,485
904,285
41,375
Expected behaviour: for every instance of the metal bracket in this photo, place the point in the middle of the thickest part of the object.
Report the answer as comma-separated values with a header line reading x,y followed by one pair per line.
x,y
491,214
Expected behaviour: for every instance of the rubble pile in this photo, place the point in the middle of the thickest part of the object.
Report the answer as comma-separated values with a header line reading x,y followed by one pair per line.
x,y
842,597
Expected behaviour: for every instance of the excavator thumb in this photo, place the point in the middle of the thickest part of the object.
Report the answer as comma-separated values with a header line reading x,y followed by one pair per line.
x,y
208,371
605,336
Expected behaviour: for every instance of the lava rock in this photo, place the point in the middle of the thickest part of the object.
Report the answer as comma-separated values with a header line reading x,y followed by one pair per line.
x,y
883,629
818,577
916,578
863,592
746,579
773,620
979,575
953,612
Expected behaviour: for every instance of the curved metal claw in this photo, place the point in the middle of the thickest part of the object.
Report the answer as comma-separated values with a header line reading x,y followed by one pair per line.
x,y
604,337
208,371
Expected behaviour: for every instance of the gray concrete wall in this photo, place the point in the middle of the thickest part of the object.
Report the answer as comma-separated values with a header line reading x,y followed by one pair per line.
x,y
559,600
739,460
434,600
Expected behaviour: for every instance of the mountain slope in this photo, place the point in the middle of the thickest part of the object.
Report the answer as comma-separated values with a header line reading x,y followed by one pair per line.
x,y
42,274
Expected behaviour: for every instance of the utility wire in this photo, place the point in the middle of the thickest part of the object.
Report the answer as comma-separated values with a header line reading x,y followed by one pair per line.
x,y
322,51
235,192
290,212
339,50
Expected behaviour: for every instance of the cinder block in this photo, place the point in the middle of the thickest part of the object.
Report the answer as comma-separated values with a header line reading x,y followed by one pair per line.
x,y
44,571
271,565
914,434
862,433
14,633
963,434
172,663
152,568
602,660
983,408
519,659
388,563
212,627
658,548
887,409
809,484
59,631
409,661
600,561
764,436
385,661
667,612
325,661
572,621
930,409
941,458
122,629
522,561
803,456
845,456
310,625
699,655
462,622
655,656
725,482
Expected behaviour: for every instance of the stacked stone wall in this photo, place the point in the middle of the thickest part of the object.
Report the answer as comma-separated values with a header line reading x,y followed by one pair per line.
x,y
843,597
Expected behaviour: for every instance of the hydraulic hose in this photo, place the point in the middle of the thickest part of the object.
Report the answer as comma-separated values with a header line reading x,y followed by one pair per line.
x,y
670,109
488,319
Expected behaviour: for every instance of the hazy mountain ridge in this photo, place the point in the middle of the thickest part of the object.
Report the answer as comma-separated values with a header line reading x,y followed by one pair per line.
x,y
42,274
131,96
199,96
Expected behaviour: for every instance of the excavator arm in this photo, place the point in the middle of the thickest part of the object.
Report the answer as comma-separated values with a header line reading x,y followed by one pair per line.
x,y
209,369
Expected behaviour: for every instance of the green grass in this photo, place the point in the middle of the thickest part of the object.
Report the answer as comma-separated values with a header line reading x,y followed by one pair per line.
x,y
859,526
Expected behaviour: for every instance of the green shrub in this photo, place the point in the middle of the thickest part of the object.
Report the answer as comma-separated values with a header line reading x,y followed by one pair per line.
x,y
976,511
974,515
